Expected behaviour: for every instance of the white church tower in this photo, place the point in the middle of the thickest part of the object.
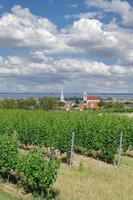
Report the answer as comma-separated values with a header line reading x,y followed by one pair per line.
x,y
85,96
62,96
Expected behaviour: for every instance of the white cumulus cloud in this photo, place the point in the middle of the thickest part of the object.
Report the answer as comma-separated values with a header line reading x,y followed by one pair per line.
x,y
123,8
76,56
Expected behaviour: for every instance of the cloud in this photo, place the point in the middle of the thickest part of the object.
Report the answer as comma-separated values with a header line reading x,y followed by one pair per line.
x,y
92,37
123,8
89,36
124,49
38,73
90,15
74,5
73,56
21,30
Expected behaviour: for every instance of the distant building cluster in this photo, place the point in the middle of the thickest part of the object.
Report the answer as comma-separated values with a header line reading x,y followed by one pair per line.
x,y
88,102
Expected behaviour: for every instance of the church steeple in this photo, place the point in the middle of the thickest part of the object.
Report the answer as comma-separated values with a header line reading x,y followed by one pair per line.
x,y
85,96
62,96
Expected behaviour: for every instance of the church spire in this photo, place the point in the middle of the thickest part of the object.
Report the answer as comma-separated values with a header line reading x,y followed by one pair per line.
x,y
85,96
62,96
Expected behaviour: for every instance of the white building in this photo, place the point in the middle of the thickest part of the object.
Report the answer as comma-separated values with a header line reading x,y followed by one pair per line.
x,y
85,96
62,96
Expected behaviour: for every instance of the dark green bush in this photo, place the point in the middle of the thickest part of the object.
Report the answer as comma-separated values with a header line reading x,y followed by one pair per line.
x,y
8,103
27,103
36,173
48,103
32,170
8,154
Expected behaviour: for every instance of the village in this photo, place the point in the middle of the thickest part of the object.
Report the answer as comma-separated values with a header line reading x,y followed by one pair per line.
x,y
87,102
93,102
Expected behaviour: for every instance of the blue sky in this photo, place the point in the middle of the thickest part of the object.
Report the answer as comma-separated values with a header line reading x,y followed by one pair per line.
x,y
53,10
76,44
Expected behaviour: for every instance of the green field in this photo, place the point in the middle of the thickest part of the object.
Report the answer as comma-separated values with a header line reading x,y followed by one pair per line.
x,y
96,180
96,134
93,180
5,196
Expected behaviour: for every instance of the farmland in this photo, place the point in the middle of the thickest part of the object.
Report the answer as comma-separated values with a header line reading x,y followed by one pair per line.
x,y
95,180
96,134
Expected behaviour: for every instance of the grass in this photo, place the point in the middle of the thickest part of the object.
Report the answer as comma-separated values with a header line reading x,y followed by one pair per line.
x,y
92,179
5,196
96,181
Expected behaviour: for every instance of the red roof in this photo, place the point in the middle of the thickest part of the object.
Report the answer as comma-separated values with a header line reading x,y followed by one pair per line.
x,y
93,98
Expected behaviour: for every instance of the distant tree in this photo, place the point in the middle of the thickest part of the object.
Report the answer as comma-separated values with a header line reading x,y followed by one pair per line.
x,y
61,104
113,105
8,103
48,103
28,103
101,103
77,101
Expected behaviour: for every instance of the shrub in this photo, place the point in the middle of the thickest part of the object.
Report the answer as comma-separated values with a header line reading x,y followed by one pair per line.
x,y
8,154
36,173
8,103
28,103
48,103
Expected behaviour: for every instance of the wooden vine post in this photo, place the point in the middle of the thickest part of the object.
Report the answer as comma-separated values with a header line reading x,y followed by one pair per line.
x,y
72,150
120,150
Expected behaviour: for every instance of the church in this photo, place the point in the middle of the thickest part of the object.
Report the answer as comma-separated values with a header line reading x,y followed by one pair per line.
x,y
90,102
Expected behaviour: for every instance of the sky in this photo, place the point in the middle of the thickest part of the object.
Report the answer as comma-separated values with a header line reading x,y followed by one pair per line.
x,y
77,45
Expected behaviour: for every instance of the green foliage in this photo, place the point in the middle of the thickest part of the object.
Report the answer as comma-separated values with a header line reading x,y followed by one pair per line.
x,y
96,134
8,103
28,103
32,170
113,105
8,154
48,103
36,173
60,104
117,107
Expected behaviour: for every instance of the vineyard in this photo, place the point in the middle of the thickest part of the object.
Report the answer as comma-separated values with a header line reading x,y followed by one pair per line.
x,y
96,134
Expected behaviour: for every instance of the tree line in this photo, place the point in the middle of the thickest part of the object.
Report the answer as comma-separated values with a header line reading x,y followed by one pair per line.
x,y
46,103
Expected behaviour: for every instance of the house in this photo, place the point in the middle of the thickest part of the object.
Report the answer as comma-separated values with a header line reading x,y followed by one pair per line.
x,y
82,106
93,102
68,106
93,105
93,99
90,102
